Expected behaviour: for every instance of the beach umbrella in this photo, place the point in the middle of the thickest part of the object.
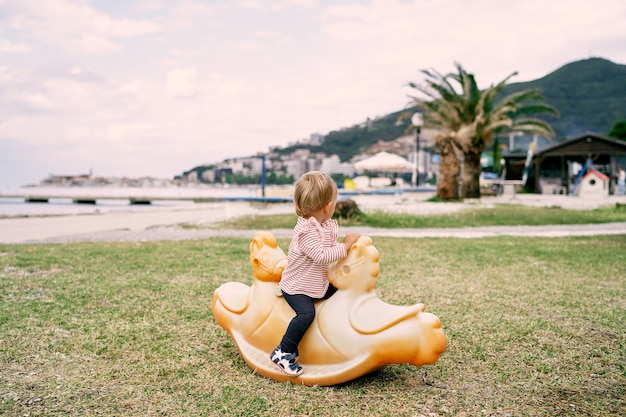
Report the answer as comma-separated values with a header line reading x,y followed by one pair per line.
x,y
384,162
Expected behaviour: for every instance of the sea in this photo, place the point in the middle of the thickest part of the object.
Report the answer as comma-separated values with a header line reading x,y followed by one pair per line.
x,y
117,198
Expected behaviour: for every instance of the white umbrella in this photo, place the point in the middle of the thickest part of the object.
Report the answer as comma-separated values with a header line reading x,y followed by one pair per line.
x,y
384,162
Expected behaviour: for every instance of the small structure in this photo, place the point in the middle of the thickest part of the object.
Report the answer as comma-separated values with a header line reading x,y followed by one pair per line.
x,y
384,162
591,183
389,166
555,169
594,184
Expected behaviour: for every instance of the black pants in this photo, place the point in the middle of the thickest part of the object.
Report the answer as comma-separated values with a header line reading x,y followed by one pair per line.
x,y
305,313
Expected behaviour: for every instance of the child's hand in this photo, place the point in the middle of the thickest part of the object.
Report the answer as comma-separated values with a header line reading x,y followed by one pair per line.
x,y
350,240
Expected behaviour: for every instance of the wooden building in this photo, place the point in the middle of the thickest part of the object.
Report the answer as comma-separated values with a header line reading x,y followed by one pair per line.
x,y
555,168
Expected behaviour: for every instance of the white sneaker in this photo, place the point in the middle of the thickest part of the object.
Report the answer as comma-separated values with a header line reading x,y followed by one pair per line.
x,y
286,362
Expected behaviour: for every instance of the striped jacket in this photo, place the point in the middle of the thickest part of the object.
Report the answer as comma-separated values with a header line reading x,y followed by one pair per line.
x,y
313,247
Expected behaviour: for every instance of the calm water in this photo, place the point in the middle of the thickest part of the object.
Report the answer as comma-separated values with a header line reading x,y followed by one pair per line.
x,y
12,207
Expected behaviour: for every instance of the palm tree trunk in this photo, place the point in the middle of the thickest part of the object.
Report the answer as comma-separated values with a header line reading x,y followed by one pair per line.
x,y
471,174
449,168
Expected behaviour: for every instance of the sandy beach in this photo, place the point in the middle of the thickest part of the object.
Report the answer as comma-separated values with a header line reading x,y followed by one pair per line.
x,y
166,223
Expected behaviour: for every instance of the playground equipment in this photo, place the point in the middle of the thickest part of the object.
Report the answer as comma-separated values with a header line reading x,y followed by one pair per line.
x,y
354,332
590,182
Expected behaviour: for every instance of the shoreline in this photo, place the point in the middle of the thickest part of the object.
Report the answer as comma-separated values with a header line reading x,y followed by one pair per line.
x,y
166,222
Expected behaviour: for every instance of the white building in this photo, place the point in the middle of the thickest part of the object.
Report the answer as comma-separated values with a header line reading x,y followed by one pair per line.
x,y
333,165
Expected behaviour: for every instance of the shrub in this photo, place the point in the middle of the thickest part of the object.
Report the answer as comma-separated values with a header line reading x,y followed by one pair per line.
x,y
347,209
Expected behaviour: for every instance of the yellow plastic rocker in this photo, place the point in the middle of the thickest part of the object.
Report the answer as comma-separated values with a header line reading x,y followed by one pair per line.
x,y
353,334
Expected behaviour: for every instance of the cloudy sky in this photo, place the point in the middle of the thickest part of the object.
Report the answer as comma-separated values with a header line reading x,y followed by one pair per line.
x,y
156,87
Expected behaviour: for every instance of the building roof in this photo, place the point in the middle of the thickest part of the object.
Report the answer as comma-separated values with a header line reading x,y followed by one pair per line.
x,y
582,145
587,143
597,173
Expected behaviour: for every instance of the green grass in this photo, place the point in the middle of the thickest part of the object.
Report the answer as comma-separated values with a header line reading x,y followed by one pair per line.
x,y
536,327
499,215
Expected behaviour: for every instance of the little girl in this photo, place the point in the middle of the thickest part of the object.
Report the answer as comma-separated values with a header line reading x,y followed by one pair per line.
x,y
313,247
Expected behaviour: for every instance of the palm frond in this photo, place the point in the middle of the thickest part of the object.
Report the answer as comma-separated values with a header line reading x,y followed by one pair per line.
x,y
470,117
533,94
536,108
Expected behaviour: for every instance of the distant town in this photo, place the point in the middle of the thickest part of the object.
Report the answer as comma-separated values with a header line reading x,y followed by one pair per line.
x,y
280,168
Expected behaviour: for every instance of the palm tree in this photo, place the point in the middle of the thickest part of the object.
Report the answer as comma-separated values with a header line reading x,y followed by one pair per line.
x,y
467,121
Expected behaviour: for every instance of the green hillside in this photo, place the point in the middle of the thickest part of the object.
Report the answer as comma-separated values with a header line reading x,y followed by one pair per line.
x,y
354,140
590,95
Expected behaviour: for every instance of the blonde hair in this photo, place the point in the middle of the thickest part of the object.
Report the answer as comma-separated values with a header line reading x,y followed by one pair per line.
x,y
313,191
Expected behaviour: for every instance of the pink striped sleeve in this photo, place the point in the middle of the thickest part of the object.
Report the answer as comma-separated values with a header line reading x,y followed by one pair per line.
x,y
312,244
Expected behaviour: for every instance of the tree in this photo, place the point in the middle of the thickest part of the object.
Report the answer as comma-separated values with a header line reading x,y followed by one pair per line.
x,y
467,120
497,156
618,131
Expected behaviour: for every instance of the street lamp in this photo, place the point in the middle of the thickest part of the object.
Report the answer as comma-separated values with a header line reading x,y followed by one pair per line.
x,y
417,120
263,173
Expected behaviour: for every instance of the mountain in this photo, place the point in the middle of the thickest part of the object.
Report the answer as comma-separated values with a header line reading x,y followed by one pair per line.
x,y
590,95
354,140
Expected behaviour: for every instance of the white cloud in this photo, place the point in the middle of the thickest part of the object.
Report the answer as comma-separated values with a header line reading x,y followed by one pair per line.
x,y
34,100
11,47
74,26
187,12
156,87
127,132
150,5
276,5
182,82
5,75
187,53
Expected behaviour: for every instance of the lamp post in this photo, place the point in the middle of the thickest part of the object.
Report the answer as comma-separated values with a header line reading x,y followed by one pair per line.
x,y
263,173
417,120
